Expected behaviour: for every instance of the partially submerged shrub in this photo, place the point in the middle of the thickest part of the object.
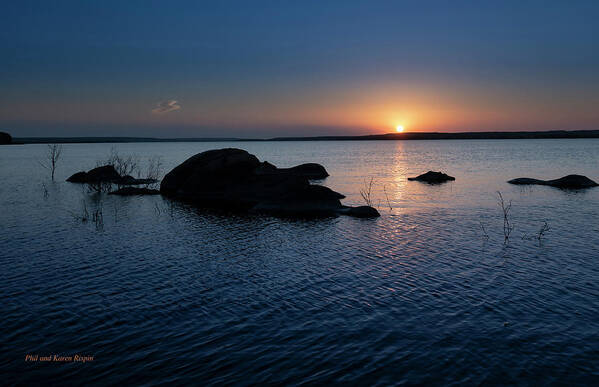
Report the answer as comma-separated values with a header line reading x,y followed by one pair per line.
x,y
154,170
124,165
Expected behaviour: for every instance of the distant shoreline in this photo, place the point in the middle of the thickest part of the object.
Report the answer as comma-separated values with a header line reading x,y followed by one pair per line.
x,y
373,137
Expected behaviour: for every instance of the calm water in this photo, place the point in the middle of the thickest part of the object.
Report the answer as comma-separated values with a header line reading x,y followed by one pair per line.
x,y
165,293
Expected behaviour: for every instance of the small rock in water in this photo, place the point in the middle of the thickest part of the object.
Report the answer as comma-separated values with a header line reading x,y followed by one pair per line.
x,y
363,212
566,182
432,177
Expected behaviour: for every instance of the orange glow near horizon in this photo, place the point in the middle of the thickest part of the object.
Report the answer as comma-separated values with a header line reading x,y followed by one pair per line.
x,y
352,109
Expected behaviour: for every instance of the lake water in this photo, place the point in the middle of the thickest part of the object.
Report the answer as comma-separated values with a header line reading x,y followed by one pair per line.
x,y
165,293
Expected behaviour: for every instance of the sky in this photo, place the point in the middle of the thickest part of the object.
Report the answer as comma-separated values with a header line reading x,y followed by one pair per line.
x,y
296,68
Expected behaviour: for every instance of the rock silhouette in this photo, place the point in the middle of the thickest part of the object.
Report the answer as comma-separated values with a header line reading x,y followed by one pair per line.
x,y
567,182
107,174
5,138
234,179
309,170
432,177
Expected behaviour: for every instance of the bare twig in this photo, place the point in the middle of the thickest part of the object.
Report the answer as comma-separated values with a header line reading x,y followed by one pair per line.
x,y
387,197
83,216
116,213
45,190
154,169
98,218
52,157
124,165
485,234
366,192
542,231
507,226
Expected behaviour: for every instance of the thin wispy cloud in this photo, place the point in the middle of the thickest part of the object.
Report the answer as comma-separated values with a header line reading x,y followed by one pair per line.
x,y
166,106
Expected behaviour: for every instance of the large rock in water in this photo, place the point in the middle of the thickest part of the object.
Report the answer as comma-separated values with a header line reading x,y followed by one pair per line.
x,y
5,138
432,177
567,182
233,179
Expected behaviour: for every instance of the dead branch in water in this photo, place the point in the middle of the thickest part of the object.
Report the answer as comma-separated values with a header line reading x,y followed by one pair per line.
x,y
45,190
366,192
124,165
387,197
507,226
485,234
542,231
52,157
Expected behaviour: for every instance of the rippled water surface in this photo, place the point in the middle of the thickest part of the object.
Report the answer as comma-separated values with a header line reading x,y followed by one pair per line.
x,y
162,292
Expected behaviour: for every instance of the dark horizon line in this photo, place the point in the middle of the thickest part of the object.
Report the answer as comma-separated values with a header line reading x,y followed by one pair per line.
x,y
551,134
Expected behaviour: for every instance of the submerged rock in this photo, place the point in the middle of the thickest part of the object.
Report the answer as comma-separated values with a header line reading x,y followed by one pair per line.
x,y
5,138
131,191
236,180
432,177
570,181
360,212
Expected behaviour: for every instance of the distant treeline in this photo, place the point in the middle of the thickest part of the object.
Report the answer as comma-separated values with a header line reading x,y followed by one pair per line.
x,y
452,136
389,136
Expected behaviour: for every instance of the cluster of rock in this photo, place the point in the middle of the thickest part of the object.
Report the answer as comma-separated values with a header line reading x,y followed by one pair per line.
x,y
566,182
5,138
233,179
108,174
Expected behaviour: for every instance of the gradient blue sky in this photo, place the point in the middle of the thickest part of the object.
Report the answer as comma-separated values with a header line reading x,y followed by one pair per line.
x,y
275,68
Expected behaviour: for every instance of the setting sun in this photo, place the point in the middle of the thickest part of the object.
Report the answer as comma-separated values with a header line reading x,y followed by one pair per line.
x,y
399,128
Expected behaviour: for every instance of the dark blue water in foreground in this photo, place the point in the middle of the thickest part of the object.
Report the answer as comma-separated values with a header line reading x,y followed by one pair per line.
x,y
165,293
